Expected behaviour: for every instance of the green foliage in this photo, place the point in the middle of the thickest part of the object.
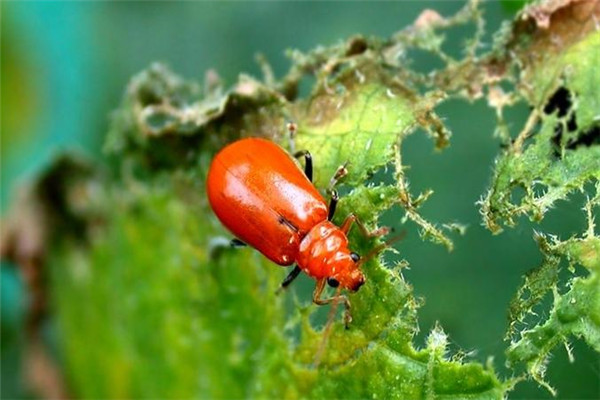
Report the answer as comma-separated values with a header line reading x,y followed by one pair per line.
x,y
219,310
576,307
554,153
174,313
168,320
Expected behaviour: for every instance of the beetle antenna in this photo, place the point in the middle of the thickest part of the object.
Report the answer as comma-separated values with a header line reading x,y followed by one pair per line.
x,y
382,246
327,330
292,129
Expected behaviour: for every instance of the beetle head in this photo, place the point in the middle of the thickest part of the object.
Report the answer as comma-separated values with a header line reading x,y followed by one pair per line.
x,y
346,273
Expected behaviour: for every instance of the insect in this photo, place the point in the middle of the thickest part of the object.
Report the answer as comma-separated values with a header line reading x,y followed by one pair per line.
x,y
259,193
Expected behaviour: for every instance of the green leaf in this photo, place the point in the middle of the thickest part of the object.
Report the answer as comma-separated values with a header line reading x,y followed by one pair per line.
x,y
151,301
562,155
555,153
575,310
209,320
169,320
357,120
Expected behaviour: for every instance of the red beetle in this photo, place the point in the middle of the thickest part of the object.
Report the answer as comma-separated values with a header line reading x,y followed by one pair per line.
x,y
258,192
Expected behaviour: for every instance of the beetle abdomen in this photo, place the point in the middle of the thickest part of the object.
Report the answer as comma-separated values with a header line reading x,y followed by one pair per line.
x,y
261,196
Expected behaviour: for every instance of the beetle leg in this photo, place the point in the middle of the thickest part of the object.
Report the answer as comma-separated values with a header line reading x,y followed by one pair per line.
x,y
332,204
308,167
289,278
350,219
237,243
219,244
319,301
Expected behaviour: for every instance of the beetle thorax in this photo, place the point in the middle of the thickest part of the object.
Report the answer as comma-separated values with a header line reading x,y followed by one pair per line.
x,y
324,253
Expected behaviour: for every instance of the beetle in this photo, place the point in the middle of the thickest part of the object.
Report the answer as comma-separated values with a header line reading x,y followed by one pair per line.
x,y
258,192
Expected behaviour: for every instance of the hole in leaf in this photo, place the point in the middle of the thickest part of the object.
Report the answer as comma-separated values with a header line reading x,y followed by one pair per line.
x,y
561,101
159,121
356,46
589,138
423,61
306,85
567,216
515,115
146,96
462,37
518,194
539,188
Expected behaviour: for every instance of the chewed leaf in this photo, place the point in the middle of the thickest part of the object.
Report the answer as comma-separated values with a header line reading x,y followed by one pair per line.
x,y
558,150
141,270
538,282
356,121
359,119
576,312
218,329
164,120
218,318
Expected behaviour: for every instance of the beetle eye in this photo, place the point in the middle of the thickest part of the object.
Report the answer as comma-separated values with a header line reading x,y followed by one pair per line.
x,y
355,257
333,282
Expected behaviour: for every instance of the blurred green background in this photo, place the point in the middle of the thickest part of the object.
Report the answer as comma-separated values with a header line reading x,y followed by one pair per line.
x,y
65,65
